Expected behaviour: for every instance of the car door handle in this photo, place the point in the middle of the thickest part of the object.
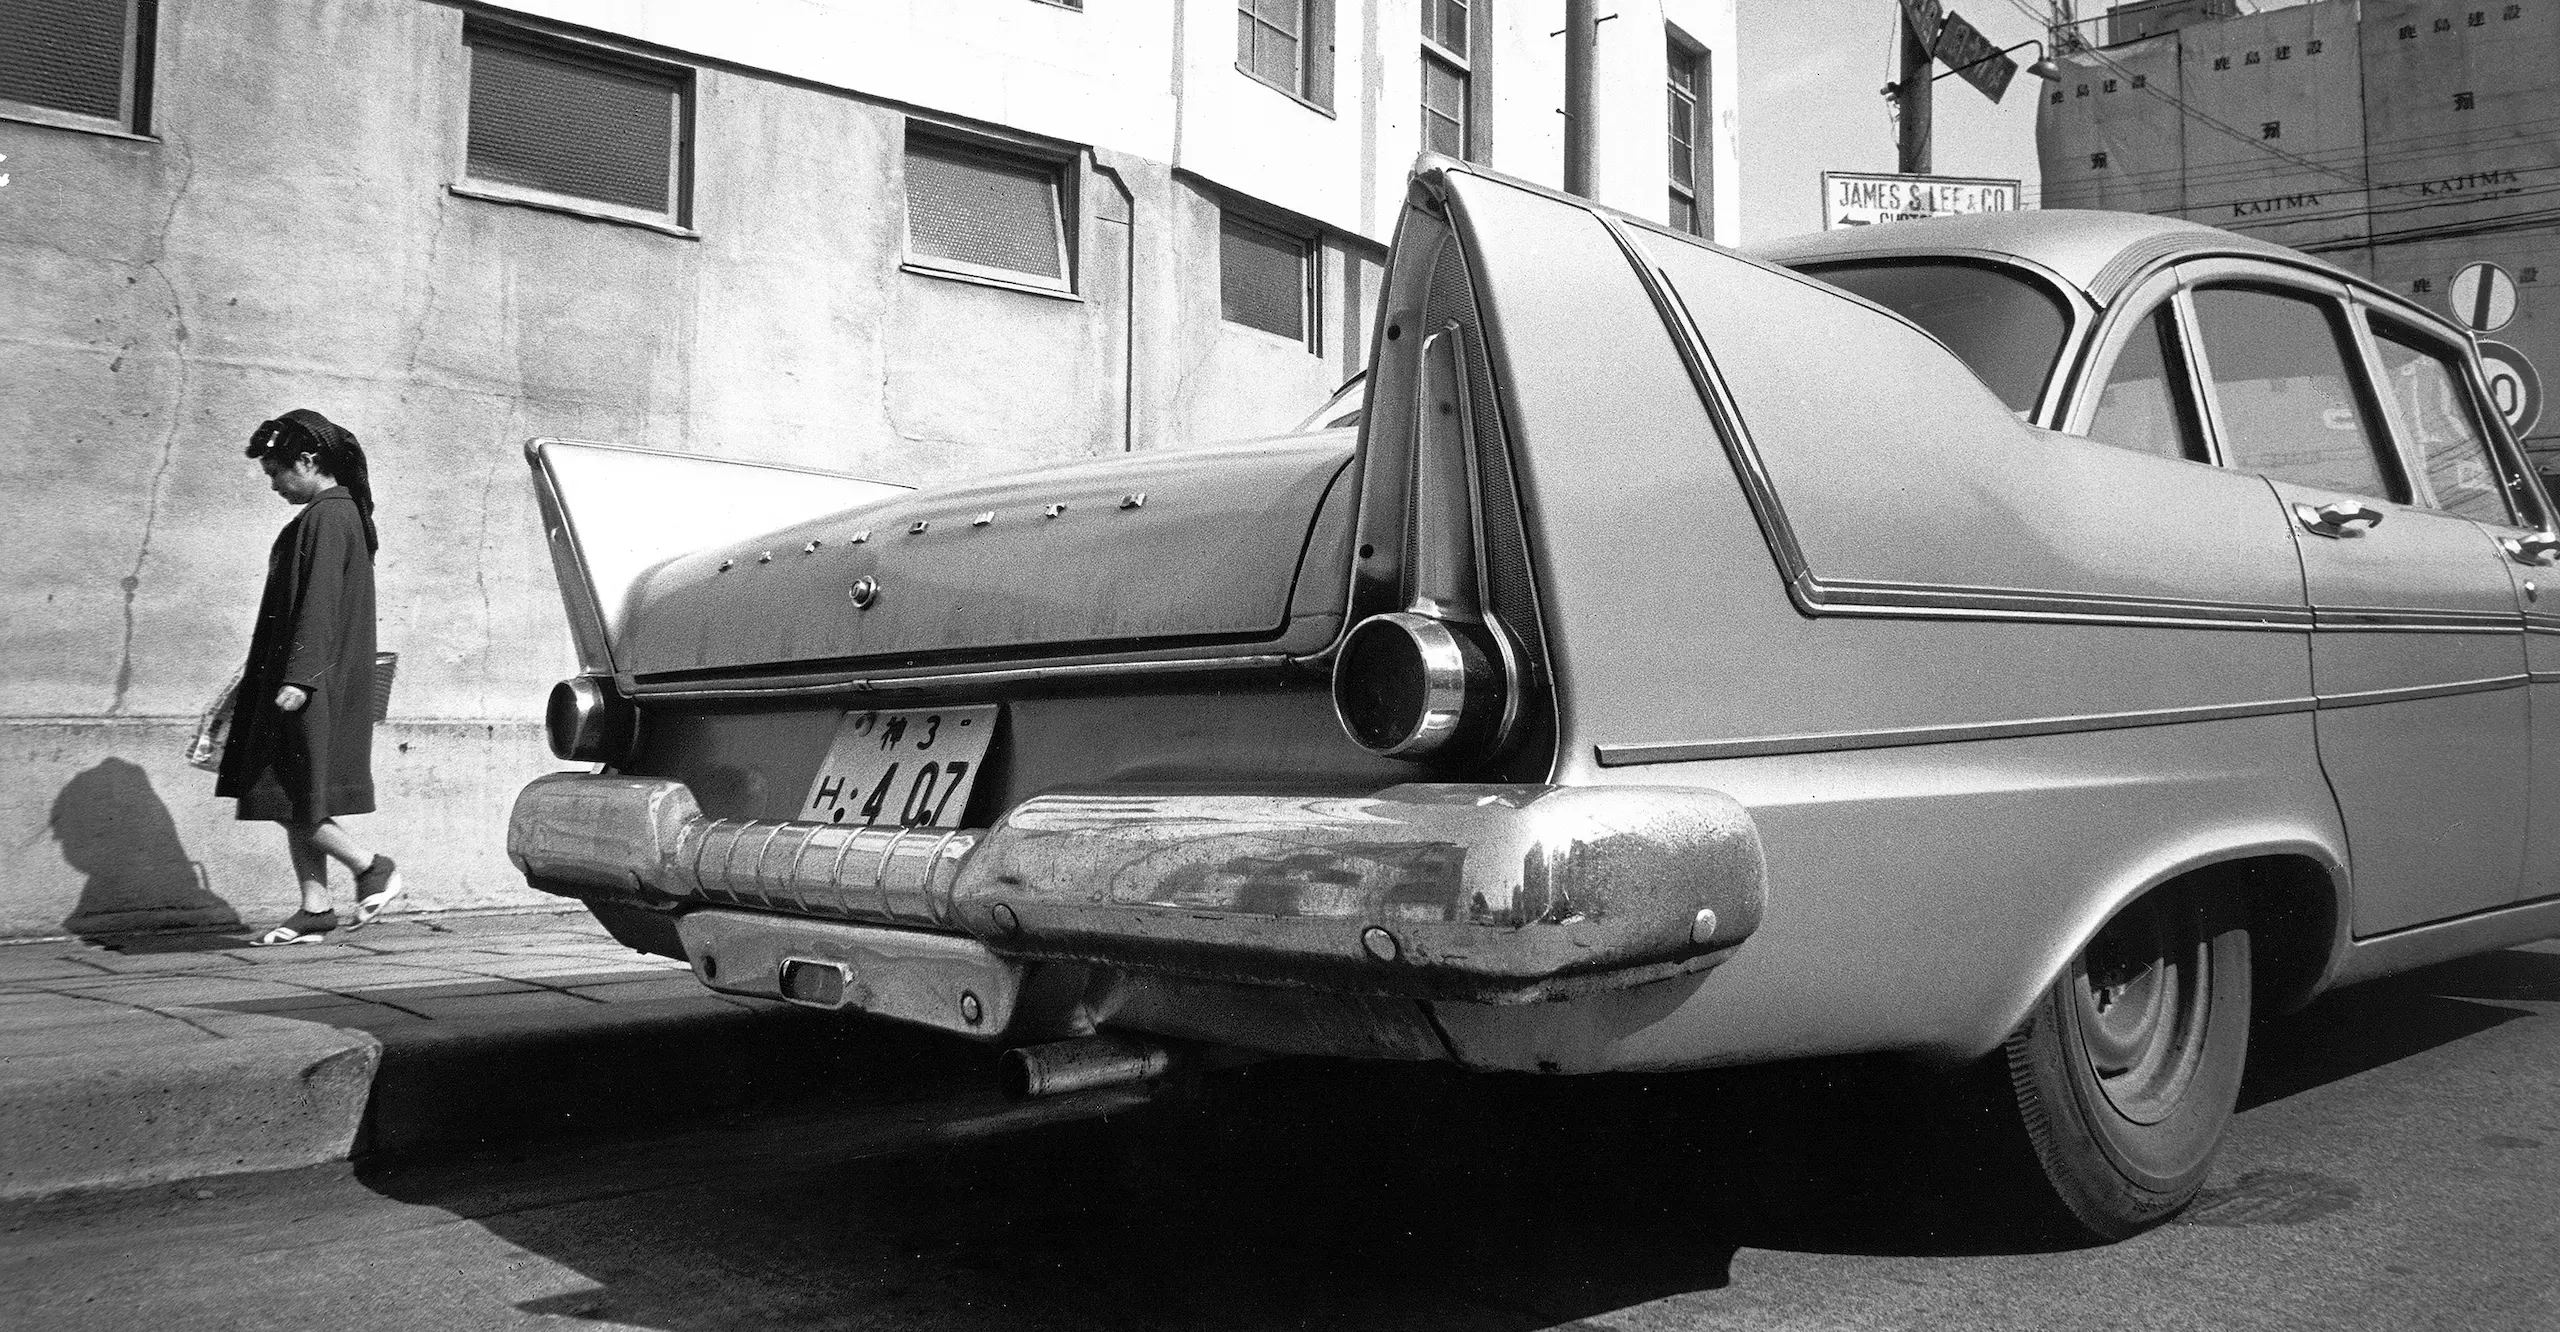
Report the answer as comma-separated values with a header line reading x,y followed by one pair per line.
x,y
2345,518
2535,549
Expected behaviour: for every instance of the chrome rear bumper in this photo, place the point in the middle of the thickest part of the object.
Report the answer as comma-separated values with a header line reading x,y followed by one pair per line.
x,y
1488,894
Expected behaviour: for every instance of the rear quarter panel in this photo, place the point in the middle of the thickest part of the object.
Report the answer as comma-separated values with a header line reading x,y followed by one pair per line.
x,y
1979,684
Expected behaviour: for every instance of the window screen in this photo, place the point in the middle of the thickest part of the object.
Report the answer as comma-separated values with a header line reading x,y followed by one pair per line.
x,y
70,55
2143,406
567,124
984,208
2432,413
2288,407
1263,277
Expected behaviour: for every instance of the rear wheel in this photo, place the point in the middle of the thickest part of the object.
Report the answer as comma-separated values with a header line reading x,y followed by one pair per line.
x,y
2125,1073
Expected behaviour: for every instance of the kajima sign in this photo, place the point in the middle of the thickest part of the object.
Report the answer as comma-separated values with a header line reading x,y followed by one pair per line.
x,y
1852,199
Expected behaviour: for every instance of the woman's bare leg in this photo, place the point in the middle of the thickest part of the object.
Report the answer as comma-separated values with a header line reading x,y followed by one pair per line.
x,y
310,865
333,840
314,846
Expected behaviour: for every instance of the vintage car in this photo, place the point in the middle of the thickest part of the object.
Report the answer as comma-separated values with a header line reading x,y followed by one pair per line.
x,y
2033,643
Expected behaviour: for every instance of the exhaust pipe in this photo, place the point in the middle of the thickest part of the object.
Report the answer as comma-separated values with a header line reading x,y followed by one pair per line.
x,y
1032,1071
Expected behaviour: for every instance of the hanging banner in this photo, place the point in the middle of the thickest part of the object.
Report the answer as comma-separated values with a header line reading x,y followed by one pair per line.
x,y
1857,199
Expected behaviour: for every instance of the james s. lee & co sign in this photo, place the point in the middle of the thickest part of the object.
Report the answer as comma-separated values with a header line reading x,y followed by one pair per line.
x,y
1855,199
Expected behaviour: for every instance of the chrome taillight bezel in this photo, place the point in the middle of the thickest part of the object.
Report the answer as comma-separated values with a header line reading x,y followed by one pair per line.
x,y
1460,706
588,721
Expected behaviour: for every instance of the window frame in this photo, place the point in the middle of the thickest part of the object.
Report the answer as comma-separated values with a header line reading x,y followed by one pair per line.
x,y
2369,319
2333,299
2172,288
2137,308
1473,68
2165,321
140,69
1066,171
1701,191
1311,282
541,43
1314,82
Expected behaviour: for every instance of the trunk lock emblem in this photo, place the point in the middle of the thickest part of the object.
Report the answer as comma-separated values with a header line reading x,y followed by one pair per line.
x,y
864,591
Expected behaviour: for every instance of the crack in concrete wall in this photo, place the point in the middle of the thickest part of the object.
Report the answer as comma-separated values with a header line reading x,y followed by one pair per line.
x,y
154,265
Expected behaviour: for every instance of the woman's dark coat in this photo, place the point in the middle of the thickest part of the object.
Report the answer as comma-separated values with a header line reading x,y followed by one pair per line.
x,y
315,629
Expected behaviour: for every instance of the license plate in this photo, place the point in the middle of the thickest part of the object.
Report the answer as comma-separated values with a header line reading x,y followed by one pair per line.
x,y
910,769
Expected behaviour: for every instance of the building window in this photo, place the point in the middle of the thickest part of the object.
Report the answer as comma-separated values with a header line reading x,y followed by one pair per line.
x,y
1446,70
561,123
1267,279
1289,45
983,212
1692,94
81,63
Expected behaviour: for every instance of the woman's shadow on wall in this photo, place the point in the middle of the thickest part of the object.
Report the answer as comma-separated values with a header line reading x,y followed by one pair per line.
x,y
113,828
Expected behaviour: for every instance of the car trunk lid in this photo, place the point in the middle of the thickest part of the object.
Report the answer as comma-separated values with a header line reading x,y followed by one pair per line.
x,y
1141,552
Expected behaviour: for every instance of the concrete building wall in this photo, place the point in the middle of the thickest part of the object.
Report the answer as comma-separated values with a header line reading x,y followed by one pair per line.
x,y
1156,79
286,235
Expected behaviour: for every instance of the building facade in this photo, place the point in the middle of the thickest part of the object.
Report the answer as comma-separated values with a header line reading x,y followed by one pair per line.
x,y
910,239
2411,141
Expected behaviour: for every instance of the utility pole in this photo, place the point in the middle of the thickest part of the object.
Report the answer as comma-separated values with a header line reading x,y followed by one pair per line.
x,y
1910,94
1581,121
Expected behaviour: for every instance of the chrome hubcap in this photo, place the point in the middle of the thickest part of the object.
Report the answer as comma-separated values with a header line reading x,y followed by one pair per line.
x,y
2140,988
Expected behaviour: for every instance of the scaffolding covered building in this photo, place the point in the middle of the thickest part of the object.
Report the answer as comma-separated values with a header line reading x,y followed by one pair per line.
x,y
2416,142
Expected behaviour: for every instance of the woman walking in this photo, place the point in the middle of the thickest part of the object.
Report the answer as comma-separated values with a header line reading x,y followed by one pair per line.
x,y
301,747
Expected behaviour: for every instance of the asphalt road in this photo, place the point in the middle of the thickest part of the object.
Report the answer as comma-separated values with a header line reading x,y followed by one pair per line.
x,y
2396,1166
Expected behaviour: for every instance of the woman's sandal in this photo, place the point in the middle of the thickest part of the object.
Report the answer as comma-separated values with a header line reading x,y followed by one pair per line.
x,y
300,927
376,885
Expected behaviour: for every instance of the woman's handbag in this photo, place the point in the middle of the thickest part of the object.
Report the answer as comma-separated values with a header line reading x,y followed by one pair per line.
x,y
213,729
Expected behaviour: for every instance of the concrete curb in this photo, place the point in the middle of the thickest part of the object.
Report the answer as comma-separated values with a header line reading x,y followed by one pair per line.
x,y
274,1094
123,1068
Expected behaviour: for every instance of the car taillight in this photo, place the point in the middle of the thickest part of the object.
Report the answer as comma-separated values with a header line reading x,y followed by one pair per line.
x,y
1410,686
588,722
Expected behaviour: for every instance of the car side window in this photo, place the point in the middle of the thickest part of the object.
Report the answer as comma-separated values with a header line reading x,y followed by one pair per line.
x,y
2285,399
2431,412
2143,405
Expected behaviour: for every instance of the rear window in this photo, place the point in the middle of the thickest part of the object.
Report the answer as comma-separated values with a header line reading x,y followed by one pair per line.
x,y
2008,327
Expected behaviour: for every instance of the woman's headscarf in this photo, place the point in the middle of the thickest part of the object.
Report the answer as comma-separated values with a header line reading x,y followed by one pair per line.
x,y
332,447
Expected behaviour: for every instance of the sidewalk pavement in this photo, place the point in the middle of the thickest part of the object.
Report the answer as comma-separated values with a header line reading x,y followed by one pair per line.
x,y
163,1057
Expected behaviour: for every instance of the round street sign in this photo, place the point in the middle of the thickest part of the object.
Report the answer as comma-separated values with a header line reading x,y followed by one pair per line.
x,y
2513,385
2483,296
